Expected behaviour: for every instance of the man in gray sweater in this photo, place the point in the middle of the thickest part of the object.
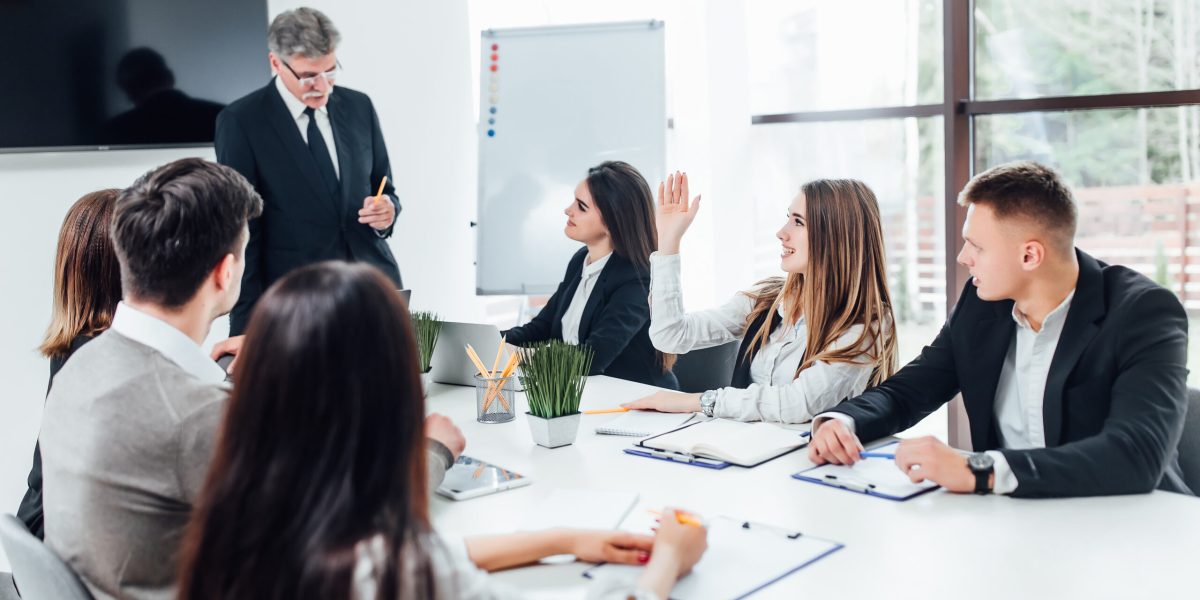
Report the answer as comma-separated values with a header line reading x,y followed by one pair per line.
x,y
130,423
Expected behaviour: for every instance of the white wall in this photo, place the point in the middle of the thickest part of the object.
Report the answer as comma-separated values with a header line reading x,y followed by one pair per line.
x,y
412,58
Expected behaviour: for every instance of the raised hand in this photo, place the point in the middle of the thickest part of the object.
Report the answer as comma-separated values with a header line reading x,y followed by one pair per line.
x,y
674,215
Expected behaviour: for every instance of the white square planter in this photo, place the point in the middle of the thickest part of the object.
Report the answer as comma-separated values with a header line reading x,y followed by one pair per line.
x,y
556,432
426,381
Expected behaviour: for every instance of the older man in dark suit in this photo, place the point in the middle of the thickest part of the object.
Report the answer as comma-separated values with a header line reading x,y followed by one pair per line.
x,y
316,155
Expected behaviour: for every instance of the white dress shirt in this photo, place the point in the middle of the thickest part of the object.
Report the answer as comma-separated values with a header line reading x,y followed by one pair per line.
x,y
1020,391
574,313
169,341
776,392
296,109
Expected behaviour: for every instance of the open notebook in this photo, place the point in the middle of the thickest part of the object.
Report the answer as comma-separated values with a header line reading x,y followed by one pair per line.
x,y
742,444
872,476
643,423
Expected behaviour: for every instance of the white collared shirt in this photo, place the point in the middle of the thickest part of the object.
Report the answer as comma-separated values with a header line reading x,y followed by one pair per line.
x,y
296,109
583,291
776,393
168,341
1020,391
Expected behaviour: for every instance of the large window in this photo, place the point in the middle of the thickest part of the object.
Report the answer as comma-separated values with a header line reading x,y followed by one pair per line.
x,y
1106,91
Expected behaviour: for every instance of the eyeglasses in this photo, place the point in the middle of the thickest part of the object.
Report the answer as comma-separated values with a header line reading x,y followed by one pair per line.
x,y
328,76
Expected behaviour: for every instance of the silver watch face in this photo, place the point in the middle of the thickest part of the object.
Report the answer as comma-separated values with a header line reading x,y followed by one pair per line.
x,y
980,461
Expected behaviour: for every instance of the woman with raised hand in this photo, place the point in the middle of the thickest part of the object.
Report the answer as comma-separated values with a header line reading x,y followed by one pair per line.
x,y
808,340
317,488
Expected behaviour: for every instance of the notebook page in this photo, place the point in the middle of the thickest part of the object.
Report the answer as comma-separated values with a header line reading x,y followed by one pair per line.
x,y
643,423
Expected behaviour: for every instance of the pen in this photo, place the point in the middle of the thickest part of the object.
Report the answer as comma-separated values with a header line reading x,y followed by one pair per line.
x,y
603,411
877,455
851,485
667,454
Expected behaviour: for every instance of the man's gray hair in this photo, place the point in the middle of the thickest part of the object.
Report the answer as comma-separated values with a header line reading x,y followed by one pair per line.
x,y
304,31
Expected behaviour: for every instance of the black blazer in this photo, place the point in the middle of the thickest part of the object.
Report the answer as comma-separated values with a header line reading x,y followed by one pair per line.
x,y
1115,398
30,511
615,322
302,222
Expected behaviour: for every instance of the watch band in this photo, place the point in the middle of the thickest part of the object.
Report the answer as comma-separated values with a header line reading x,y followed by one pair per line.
x,y
708,402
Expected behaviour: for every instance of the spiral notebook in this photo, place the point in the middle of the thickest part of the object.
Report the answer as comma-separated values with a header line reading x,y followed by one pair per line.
x,y
644,423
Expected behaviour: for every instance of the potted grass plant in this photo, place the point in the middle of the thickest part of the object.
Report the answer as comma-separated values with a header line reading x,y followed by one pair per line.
x,y
426,326
553,374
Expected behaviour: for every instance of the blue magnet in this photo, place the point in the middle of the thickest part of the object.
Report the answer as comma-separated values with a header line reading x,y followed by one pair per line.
x,y
491,133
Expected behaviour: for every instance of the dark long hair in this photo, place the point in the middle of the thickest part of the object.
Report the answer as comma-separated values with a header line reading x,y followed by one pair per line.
x,y
321,447
627,209
87,277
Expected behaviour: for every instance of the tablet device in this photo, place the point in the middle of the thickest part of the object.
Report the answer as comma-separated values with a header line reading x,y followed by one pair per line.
x,y
470,478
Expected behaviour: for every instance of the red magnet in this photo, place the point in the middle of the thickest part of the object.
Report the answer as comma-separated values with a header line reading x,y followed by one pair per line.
x,y
495,47
495,57
493,67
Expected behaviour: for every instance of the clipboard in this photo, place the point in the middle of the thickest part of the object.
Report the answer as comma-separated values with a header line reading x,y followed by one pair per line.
x,y
743,558
879,477
696,460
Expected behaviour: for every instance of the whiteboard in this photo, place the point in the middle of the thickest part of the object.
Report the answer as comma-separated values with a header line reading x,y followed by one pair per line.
x,y
560,100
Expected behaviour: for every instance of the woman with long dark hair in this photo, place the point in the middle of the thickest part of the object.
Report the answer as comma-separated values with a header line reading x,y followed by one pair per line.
x,y
601,301
819,334
317,487
87,288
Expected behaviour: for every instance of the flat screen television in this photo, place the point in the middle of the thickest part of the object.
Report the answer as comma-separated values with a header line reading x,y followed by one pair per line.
x,y
105,74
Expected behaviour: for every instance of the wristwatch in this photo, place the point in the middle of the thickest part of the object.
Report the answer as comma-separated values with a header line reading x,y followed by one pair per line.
x,y
708,401
982,465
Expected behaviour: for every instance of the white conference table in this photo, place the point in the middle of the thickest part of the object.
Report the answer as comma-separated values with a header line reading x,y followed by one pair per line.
x,y
938,545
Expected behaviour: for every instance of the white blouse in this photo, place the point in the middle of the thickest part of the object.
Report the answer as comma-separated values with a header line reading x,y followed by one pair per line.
x,y
574,313
457,578
776,393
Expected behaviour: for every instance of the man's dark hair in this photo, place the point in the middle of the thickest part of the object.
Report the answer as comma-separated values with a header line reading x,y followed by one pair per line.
x,y
1028,190
175,223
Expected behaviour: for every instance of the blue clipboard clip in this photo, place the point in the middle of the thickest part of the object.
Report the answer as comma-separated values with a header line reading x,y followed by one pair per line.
x,y
678,457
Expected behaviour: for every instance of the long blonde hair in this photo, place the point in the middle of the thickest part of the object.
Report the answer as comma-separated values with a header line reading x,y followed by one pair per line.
x,y
845,283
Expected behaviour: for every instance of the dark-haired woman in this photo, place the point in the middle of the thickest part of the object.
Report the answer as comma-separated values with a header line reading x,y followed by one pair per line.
x,y
87,288
317,487
602,300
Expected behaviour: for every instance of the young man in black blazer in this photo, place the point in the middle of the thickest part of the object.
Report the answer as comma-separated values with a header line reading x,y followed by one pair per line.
x,y
1072,371
315,155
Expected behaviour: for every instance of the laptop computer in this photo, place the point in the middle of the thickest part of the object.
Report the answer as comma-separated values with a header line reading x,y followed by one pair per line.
x,y
450,363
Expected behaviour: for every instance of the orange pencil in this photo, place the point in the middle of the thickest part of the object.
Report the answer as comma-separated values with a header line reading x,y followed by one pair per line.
x,y
681,517
604,411
379,194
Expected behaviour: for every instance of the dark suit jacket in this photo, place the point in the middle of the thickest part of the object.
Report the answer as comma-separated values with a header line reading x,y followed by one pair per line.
x,y
302,222
615,322
1115,398
30,511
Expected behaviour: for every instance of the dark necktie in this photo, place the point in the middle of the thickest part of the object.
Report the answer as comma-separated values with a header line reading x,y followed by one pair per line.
x,y
320,152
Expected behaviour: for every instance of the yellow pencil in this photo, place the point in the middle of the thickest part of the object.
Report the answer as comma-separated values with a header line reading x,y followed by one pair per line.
x,y
604,411
496,388
379,194
499,353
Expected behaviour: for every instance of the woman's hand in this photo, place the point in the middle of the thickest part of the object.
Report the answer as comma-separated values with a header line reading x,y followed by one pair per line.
x,y
677,548
611,546
673,215
668,402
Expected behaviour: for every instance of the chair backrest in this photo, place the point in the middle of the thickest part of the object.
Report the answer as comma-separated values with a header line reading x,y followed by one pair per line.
x,y
1189,444
38,572
707,369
